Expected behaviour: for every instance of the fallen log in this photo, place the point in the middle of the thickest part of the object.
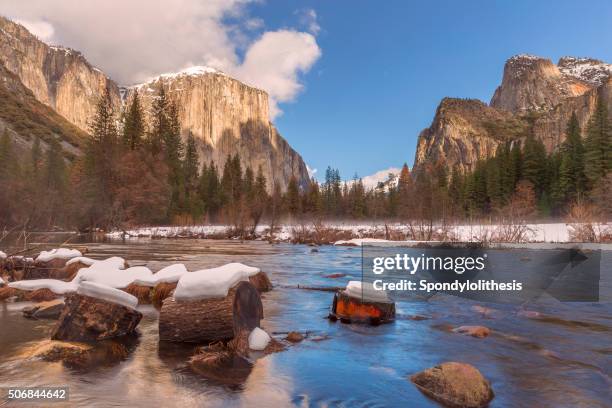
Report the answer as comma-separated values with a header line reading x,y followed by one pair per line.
x,y
211,320
351,309
87,318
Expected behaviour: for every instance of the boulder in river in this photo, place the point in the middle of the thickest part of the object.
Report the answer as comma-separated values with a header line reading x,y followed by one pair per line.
x,y
454,385
45,310
96,313
474,331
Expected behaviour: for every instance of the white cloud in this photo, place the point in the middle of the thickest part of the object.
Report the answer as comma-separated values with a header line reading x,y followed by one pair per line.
x,y
40,29
308,19
275,61
134,40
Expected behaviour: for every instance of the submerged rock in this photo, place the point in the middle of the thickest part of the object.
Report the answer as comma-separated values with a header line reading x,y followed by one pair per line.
x,y
474,331
454,385
84,355
294,337
45,310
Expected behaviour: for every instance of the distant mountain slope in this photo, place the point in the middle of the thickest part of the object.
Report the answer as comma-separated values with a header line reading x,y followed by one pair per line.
x,y
26,118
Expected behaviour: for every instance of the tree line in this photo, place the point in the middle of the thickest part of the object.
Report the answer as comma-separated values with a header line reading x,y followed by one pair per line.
x,y
137,170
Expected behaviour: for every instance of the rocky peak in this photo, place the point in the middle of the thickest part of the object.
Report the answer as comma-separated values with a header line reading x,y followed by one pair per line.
x,y
534,84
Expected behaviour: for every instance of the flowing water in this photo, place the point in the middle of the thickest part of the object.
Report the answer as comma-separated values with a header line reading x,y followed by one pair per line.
x,y
562,360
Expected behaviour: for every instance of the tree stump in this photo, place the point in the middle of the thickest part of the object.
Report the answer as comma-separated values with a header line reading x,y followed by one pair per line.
x,y
354,310
261,282
210,320
85,318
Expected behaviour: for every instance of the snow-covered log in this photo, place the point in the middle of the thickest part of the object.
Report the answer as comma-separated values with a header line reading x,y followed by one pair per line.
x,y
211,319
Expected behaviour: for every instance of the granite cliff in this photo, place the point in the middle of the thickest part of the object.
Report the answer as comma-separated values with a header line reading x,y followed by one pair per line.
x,y
535,96
227,117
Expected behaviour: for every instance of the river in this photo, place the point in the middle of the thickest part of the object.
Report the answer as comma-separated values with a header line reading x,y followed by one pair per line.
x,y
563,361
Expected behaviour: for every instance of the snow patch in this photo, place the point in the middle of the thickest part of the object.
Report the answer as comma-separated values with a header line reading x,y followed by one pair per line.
x,y
212,283
107,294
58,253
169,274
365,291
56,286
258,339
359,241
589,70
2,255
107,273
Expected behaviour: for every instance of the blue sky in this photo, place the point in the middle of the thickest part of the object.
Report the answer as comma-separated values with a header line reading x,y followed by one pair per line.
x,y
385,65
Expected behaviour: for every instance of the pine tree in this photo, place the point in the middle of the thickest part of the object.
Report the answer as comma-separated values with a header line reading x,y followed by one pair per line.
x,y
190,173
160,125
571,179
534,163
293,196
597,145
101,157
134,124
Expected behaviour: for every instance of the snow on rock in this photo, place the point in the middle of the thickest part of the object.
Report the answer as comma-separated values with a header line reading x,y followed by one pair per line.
x,y
360,241
56,286
58,253
108,294
590,70
212,283
107,273
169,274
258,339
81,259
2,255
365,291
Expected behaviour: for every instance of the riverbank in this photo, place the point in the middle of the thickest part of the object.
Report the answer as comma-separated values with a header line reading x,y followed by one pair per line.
x,y
322,234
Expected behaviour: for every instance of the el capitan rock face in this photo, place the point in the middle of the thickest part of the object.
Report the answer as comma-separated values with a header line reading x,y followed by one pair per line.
x,y
227,116
58,77
535,96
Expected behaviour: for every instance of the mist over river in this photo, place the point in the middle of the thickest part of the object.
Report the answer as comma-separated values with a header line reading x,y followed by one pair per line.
x,y
561,359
